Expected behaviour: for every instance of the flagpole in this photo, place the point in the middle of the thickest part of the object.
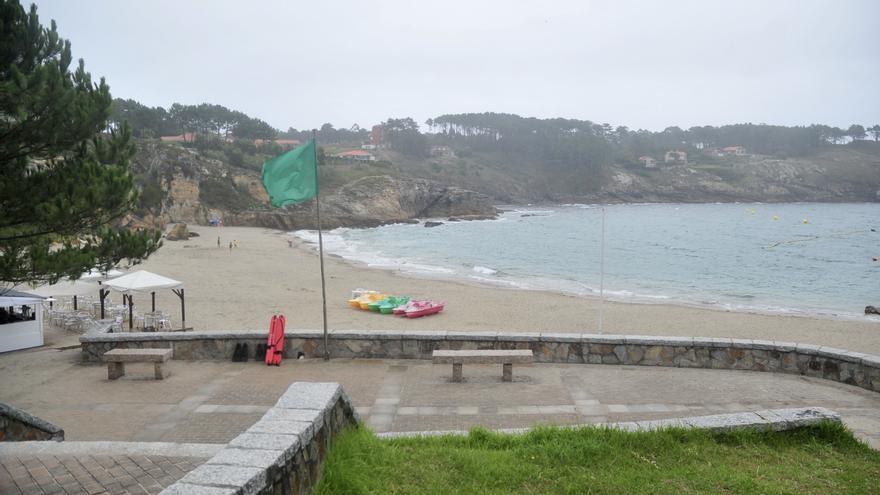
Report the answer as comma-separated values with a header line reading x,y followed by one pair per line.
x,y
602,273
320,246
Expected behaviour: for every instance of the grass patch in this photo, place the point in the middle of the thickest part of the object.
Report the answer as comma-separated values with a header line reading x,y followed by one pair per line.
x,y
816,460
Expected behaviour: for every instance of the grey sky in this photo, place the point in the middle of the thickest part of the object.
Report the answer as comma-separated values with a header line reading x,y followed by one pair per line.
x,y
646,64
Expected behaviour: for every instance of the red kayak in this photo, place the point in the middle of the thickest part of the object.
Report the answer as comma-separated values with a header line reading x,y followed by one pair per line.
x,y
275,343
279,340
418,309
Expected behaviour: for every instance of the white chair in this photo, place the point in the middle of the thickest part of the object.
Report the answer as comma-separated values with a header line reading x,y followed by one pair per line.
x,y
117,325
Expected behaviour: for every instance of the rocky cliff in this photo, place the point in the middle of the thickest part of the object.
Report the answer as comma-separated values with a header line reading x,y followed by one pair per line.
x,y
192,188
181,184
373,201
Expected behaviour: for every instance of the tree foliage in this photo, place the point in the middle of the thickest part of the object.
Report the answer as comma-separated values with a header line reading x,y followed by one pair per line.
x,y
585,145
63,184
404,136
206,120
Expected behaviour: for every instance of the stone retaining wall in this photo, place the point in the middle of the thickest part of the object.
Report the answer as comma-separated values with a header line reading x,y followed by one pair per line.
x,y
862,370
19,426
280,453
767,419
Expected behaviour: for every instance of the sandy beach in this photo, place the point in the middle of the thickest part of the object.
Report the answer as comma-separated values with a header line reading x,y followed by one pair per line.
x,y
240,289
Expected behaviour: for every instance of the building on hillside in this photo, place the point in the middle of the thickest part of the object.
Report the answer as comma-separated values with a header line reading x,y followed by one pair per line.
x,y
288,144
648,161
676,156
357,155
734,150
442,151
368,146
187,137
377,135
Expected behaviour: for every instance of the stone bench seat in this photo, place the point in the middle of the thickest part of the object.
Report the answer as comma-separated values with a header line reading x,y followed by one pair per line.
x,y
489,356
117,358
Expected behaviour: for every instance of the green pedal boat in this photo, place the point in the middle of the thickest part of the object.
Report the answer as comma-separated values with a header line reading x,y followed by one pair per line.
x,y
386,306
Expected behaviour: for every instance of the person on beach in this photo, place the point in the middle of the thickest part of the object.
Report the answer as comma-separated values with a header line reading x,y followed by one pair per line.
x,y
230,246
218,241
289,243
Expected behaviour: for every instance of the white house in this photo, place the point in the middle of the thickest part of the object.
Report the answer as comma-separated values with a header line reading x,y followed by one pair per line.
x,y
21,320
648,161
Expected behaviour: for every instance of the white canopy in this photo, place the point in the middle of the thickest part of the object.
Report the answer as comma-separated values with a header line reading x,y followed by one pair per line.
x,y
94,274
66,288
16,298
141,281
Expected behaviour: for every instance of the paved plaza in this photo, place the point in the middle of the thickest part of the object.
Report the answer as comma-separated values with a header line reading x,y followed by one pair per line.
x,y
211,402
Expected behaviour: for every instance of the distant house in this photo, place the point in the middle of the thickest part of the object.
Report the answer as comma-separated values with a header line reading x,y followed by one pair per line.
x,y
368,146
377,135
677,156
648,161
187,137
734,150
288,144
358,155
442,150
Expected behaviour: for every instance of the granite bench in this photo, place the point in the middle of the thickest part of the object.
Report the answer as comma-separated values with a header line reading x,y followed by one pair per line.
x,y
117,358
505,357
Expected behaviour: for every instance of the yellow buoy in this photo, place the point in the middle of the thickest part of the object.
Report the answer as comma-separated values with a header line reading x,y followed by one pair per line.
x,y
775,217
806,221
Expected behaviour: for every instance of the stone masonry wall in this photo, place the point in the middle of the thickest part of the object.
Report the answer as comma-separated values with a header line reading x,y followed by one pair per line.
x,y
281,453
18,426
862,370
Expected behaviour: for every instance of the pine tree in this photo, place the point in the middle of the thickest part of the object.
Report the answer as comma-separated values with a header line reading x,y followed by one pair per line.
x,y
64,184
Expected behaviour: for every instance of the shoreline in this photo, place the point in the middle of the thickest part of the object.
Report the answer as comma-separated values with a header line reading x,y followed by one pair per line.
x,y
241,289
306,239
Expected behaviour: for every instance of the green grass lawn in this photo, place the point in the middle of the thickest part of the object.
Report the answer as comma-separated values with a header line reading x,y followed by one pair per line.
x,y
824,459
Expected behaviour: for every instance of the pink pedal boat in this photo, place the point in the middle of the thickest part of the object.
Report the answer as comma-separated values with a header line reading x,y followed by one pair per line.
x,y
416,309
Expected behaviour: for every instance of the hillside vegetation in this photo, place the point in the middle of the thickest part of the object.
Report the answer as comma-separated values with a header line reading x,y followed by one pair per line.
x,y
212,169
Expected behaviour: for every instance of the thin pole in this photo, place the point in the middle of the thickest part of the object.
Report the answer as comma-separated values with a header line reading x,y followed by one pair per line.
x,y
320,246
602,273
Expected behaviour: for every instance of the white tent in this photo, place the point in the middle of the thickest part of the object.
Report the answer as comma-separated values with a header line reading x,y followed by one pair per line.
x,y
66,288
22,333
94,274
143,281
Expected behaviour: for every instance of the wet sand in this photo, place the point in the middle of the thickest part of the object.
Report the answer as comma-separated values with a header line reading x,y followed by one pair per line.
x,y
240,290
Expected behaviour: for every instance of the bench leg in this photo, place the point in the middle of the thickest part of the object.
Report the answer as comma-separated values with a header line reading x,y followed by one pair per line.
x,y
456,372
507,374
115,370
161,372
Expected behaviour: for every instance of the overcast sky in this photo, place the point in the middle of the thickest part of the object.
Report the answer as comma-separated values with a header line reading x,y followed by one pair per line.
x,y
648,64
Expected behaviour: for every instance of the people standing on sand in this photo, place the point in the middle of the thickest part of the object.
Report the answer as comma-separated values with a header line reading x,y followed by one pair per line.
x,y
230,246
218,241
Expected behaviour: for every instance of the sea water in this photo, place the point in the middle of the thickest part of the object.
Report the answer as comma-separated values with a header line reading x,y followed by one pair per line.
x,y
796,258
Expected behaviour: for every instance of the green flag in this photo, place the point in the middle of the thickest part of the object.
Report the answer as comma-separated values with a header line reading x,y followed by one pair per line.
x,y
291,177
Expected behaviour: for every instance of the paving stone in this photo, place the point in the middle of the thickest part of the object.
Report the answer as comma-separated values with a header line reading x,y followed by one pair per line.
x,y
265,441
303,395
250,457
220,475
191,489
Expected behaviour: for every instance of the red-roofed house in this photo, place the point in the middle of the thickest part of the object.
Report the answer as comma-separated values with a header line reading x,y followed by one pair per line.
x,y
187,137
288,144
676,157
359,155
734,150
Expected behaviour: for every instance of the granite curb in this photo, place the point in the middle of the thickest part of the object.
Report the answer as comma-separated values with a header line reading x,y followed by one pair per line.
x,y
770,419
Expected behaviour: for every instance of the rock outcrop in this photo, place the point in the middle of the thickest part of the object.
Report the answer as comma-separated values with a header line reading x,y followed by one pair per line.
x,y
177,232
374,201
